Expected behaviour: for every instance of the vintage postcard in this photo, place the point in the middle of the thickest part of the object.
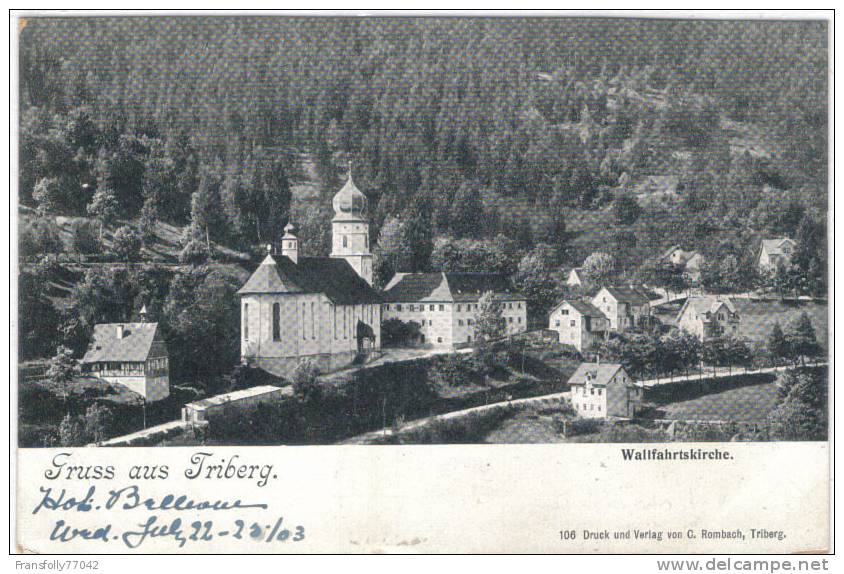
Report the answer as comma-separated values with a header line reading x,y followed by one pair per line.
x,y
403,283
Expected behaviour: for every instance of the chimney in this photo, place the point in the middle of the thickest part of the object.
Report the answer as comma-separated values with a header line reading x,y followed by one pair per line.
x,y
598,360
120,331
143,313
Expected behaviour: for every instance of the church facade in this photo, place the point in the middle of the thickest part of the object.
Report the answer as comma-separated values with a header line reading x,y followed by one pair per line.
x,y
320,308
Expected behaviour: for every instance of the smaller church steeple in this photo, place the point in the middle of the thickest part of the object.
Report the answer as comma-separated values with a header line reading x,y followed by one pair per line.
x,y
290,243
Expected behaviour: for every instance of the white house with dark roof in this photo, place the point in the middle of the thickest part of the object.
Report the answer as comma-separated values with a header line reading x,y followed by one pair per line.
x,y
601,390
578,323
445,305
709,317
623,306
319,308
130,354
775,252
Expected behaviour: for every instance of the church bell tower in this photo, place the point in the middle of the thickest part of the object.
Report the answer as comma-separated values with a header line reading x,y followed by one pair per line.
x,y
350,229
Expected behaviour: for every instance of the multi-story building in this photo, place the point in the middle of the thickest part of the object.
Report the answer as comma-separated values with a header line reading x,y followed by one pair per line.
x,y
601,390
625,307
578,323
319,308
130,354
709,317
445,305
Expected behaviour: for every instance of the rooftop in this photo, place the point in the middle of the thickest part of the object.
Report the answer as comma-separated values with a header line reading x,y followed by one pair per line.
x,y
446,286
703,305
633,295
332,276
349,203
252,392
598,373
774,246
583,307
133,346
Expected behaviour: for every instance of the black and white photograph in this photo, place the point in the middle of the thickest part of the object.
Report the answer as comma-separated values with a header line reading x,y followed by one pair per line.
x,y
277,229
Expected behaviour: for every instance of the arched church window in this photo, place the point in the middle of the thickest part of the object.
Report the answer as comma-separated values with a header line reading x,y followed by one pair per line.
x,y
345,241
276,322
246,321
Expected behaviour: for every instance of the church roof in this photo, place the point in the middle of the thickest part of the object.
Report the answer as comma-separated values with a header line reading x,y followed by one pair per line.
x,y
134,346
349,203
266,279
457,287
333,277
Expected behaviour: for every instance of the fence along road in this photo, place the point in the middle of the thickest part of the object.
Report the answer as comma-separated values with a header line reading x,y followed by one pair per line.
x,y
723,373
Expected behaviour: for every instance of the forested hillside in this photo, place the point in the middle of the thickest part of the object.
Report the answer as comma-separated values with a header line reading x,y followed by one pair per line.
x,y
517,145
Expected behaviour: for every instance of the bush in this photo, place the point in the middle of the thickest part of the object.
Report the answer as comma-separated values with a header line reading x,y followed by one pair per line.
x,y
581,426
127,243
84,239
305,381
625,432
39,236
626,210
195,252
395,332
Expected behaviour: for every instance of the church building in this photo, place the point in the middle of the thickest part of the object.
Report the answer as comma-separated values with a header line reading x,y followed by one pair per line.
x,y
319,308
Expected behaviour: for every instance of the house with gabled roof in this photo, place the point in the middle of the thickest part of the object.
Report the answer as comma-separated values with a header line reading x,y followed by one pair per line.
x,y
601,390
445,304
578,323
774,253
623,306
130,354
709,317
689,261
319,308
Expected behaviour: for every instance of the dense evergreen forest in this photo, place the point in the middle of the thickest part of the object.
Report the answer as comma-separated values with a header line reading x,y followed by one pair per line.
x,y
496,144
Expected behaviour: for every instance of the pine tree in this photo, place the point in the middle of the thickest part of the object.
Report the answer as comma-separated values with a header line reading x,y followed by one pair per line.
x,y
489,322
104,207
466,210
127,244
777,343
802,338
205,207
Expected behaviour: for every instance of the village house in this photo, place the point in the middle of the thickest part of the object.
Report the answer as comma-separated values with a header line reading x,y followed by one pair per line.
x,y
575,277
689,261
445,305
625,307
601,390
319,308
775,252
579,324
130,354
709,317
